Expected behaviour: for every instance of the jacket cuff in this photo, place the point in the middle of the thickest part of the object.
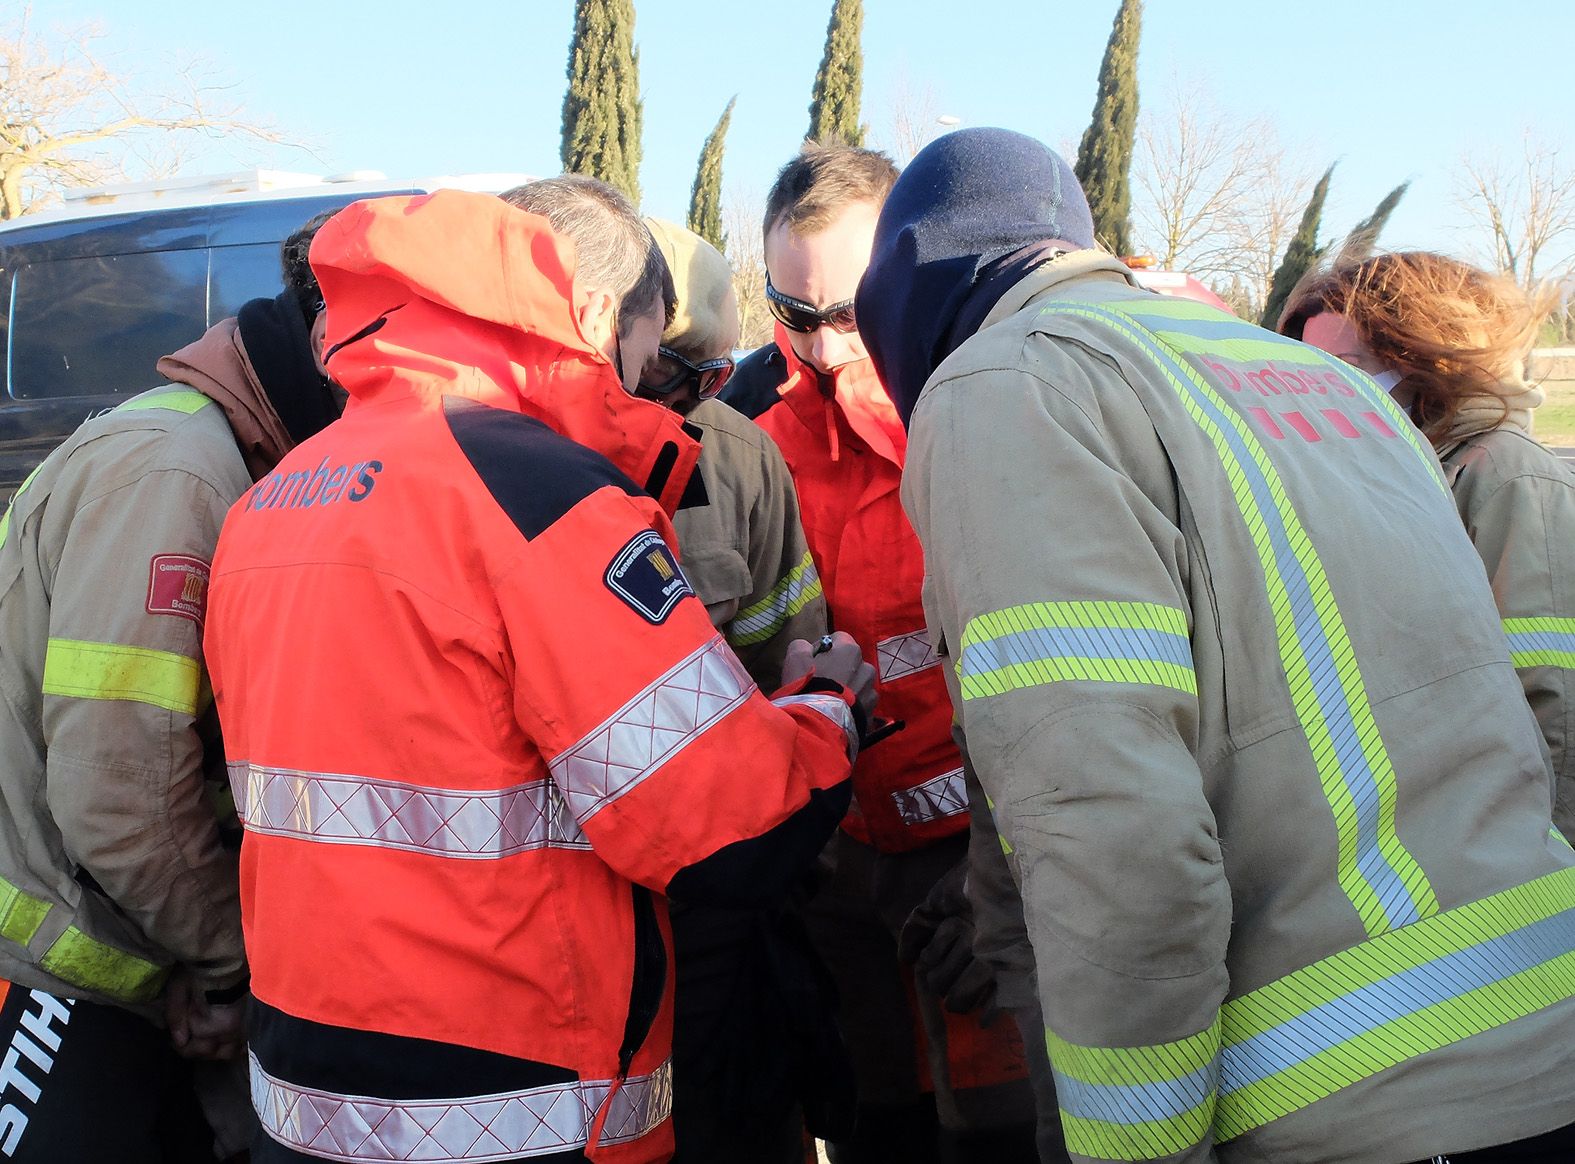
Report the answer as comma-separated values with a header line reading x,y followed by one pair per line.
x,y
831,700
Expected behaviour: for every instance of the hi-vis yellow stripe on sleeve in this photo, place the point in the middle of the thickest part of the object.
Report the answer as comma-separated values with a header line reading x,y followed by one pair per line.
x,y
1054,642
87,670
793,592
1541,642
1137,1103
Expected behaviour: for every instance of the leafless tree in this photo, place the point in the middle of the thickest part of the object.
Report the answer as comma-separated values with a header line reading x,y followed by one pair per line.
x,y
69,119
1194,176
1217,198
1526,205
742,211
914,116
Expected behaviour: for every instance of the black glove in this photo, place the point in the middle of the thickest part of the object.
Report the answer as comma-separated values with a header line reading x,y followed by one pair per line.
x,y
937,940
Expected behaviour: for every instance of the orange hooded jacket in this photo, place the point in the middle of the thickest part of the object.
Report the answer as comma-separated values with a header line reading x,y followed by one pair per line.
x,y
845,446
475,717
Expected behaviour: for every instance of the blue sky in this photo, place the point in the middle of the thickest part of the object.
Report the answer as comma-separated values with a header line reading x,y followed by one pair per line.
x,y
1394,89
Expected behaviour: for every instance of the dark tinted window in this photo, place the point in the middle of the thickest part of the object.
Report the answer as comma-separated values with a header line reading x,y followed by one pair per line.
x,y
5,315
92,326
241,273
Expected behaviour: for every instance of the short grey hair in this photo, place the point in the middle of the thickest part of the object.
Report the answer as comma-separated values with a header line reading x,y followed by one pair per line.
x,y
613,246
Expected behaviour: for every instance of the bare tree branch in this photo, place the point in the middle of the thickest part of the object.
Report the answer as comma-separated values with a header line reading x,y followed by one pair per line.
x,y
913,114
67,118
742,211
1216,197
1526,206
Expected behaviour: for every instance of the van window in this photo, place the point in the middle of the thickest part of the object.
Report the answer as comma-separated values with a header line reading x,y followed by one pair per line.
x,y
241,273
130,310
5,316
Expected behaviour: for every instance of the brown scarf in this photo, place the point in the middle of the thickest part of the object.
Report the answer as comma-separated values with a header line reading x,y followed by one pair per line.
x,y
217,366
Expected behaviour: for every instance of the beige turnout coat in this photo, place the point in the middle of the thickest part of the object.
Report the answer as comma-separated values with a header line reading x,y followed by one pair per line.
x,y
1281,827
111,863
1518,502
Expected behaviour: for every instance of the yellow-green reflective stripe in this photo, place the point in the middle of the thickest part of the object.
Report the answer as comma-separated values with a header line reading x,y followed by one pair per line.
x,y
1541,642
1244,348
1016,676
179,400
1052,642
1403,994
1136,1103
793,592
1380,877
88,670
1174,307
1208,332
76,958
20,913
5,519
1131,615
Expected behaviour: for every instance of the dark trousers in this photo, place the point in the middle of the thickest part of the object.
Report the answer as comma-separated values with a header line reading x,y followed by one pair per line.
x,y
1551,1148
87,1082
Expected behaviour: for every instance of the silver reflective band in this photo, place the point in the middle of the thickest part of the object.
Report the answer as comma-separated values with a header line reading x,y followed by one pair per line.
x,y
905,655
652,728
834,709
945,795
465,1130
446,822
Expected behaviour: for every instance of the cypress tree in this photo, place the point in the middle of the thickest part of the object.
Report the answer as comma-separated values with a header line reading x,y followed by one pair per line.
x,y
705,197
602,109
1104,158
1359,243
834,102
1300,255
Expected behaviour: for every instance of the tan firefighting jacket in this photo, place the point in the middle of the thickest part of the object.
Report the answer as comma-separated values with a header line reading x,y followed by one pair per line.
x,y
1230,671
112,867
1518,502
744,551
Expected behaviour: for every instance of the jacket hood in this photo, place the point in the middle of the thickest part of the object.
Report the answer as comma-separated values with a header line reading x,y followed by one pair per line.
x,y
217,366
461,294
855,389
964,220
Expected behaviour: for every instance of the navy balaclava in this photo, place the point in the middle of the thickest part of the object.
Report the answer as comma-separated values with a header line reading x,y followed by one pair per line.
x,y
963,208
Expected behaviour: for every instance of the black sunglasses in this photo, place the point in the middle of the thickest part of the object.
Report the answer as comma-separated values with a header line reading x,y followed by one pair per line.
x,y
796,315
708,376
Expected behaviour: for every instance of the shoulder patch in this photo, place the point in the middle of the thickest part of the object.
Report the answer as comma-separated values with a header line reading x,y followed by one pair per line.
x,y
646,577
178,585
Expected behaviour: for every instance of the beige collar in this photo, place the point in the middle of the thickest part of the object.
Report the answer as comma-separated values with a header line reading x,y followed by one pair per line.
x,y
1041,279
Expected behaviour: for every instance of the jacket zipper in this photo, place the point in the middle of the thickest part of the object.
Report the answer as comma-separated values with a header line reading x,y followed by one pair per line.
x,y
650,978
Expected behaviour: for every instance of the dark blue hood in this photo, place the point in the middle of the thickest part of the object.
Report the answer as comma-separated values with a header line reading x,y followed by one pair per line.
x,y
968,218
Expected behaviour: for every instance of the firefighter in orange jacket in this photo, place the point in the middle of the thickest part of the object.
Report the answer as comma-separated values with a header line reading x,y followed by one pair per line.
x,y
906,837
477,719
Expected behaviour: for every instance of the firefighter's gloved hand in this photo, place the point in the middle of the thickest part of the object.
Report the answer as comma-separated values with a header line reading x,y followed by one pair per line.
x,y
199,1027
937,939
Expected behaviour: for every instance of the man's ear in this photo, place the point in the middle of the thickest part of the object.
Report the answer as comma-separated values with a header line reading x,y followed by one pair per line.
x,y
598,319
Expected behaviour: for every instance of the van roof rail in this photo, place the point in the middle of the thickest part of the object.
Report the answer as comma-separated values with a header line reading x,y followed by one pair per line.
x,y
236,182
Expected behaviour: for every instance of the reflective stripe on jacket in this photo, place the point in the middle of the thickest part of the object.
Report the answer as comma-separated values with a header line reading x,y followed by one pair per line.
x,y
479,721
1231,674
111,866
845,448
744,550
1518,502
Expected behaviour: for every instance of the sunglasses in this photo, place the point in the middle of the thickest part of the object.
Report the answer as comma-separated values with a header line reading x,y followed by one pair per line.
x,y
708,376
796,315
